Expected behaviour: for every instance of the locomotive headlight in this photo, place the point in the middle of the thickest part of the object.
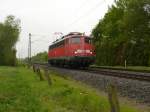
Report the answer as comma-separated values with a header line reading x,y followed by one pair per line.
x,y
80,51
87,51
83,51
75,52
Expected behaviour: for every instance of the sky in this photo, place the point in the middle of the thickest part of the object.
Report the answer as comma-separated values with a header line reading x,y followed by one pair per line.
x,y
43,18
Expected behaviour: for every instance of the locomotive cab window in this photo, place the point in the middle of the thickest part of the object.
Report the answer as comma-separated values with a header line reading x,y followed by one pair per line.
x,y
88,40
76,40
50,47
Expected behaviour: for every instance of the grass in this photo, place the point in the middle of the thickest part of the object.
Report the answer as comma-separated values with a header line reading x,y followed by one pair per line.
x,y
21,91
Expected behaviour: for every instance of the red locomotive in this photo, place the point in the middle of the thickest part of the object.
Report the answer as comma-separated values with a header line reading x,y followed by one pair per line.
x,y
74,50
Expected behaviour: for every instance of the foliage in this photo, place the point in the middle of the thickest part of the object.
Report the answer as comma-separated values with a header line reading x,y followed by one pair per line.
x,y
9,34
124,34
40,57
20,62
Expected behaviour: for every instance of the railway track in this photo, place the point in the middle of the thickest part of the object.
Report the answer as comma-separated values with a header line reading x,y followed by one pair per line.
x,y
109,72
122,74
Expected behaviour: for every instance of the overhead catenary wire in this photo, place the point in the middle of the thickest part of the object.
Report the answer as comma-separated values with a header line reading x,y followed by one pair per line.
x,y
42,37
33,42
87,13
38,35
37,41
82,16
83,4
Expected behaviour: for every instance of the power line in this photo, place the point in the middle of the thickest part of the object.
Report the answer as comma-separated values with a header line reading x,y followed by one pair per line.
x,y
43,41
31,42
40,35
38,40
83,4
37,35
60,34
87,13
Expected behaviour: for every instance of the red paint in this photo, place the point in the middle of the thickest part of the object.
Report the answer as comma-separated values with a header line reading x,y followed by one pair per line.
x,y
72,48
69,49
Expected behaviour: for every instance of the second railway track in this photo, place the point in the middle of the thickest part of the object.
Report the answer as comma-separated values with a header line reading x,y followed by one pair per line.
x,y
122,74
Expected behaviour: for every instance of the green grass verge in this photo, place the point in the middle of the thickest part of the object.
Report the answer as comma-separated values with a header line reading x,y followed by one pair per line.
x,y
21,91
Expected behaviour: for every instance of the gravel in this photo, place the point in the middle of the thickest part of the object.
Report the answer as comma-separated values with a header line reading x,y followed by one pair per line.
x,y
138,90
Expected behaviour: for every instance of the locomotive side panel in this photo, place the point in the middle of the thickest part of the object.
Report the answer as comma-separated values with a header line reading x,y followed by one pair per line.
x,y
74,50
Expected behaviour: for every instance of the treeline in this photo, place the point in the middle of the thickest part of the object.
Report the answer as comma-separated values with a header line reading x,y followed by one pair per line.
x,y
124,34
9,34
41,57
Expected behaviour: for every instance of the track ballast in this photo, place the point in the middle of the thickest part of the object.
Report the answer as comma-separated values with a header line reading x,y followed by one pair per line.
x,y
109,72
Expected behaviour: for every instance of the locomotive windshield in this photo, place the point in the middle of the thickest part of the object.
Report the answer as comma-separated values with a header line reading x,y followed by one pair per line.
x,y
88,40
76,40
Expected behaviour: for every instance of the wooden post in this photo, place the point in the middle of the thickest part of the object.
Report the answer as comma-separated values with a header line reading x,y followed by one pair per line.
x,y
34,68
125,64
47,76
39,73
113,98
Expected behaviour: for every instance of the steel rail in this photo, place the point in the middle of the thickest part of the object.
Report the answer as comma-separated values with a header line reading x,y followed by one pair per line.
x,y
122,74
109,72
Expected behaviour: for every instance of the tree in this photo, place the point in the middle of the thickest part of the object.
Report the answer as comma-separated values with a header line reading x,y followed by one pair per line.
x,y
40,57
123,34
9,34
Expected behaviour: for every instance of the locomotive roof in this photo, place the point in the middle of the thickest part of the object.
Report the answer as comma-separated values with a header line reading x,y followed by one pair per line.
x,y
71,34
